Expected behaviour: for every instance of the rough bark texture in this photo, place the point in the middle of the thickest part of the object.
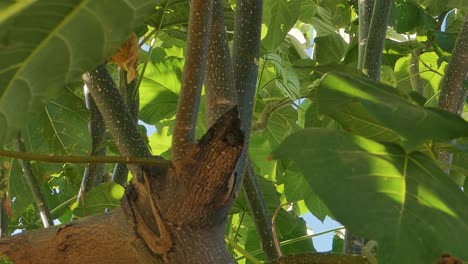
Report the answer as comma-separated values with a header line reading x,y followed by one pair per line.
x,y
105,238
452,94
169,215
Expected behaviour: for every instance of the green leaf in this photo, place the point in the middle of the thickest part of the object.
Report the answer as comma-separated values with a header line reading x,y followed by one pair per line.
x,y
18,190
169,13
330,49
156,102
61,128
407,16
413,123
296,188
431,74
44,47
103,196
282,16
404,201
10,8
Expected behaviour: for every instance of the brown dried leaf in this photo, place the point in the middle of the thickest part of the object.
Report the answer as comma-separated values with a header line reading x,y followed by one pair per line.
x,y
127,57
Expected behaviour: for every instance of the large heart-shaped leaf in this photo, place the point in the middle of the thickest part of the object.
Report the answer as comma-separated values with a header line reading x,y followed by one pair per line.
x,y
404,201
415,124
51,43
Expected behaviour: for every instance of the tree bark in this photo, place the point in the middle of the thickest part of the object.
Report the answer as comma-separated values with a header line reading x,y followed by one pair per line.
x,y
168,214
104,238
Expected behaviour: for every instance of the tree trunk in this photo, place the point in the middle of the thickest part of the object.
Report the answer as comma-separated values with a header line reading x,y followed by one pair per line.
x,y
168,214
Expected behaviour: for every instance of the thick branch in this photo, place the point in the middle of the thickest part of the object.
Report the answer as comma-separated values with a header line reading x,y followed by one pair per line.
x,y
129,93
67,243
30,179
219,88
194,73
94,172
191,202
115,113
376,38
246,49
452,94
365,15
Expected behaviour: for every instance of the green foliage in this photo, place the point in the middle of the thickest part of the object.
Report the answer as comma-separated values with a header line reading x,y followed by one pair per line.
x,y
391,110
401,199
366,156
63,41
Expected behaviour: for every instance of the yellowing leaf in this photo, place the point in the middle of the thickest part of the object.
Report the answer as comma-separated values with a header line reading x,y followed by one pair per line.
x,y
127,57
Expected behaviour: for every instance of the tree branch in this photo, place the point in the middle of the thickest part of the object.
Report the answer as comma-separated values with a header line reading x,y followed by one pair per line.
x,y
220,92
246,49
83,159
376,38
194,73
129,93
365,15
115,113
30,178
415,75
93,173
452,95
66,243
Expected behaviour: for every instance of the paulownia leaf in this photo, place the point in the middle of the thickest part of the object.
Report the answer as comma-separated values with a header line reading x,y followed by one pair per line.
x,y
404,201
51,43
106,195
282,15
338,92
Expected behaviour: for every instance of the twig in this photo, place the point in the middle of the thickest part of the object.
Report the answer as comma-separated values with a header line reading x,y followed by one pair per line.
x,y
273,228
83,159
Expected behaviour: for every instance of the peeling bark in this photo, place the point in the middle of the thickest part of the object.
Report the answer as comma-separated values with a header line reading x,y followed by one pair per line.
x,y
169,214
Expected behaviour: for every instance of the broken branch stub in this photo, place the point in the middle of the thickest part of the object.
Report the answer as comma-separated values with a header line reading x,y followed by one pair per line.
x,y
195,195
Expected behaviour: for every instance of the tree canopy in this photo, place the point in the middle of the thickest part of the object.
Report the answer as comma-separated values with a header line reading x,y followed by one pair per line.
x,y
354,110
